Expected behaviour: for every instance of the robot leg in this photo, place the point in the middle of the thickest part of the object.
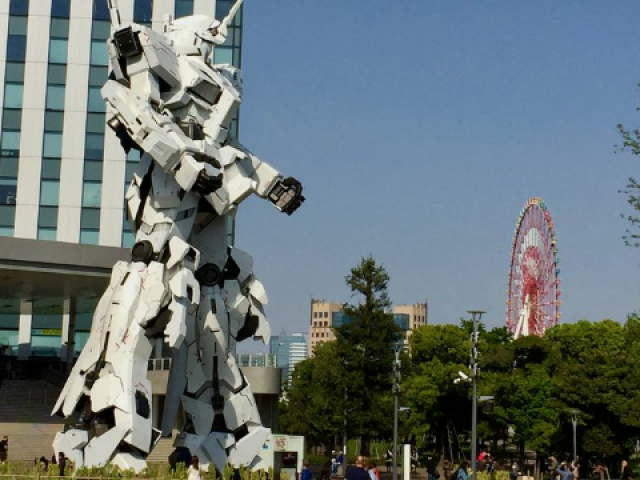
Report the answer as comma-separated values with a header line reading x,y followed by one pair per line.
x,y
222,420
112,409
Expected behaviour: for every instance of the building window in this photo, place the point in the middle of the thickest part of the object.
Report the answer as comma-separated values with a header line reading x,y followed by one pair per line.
x,y
96,103
52,144
16,48
184,8
13,95
19,7
94,146
100,10
8,188
10,143
142,11
55,97
91,193
60,8
8,167
49,192
99,53
14,72
18,26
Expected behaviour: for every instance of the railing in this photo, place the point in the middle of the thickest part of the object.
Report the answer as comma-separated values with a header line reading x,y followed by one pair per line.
x,y
159,364
257,360
28,397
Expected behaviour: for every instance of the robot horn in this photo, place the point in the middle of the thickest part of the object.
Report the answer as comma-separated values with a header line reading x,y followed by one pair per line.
x,y
222,28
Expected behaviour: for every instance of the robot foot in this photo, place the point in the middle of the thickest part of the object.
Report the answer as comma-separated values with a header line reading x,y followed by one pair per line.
x,y
213,448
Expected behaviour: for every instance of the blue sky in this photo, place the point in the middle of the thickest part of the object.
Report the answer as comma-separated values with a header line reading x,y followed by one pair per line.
x,y
420,128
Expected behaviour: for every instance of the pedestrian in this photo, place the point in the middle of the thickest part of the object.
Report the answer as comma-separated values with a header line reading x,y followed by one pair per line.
x,y
306,471
553,466
415,460
4,449
62,463
462,473
598,472
334,463
565,472
625,472
490,464
446,468
389,459
515,471
374,473
575,469
432,469
358,472
195,470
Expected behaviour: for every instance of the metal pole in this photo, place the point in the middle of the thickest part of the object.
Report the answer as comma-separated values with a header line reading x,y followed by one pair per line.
x,y
474,414
476,315
344,438
574,421
396,388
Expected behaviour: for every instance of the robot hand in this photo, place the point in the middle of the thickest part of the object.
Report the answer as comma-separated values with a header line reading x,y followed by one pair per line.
x,y
206,183
286,195
197,176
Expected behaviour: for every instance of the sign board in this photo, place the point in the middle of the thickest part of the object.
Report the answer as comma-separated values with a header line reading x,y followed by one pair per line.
x,y
47,332
279,443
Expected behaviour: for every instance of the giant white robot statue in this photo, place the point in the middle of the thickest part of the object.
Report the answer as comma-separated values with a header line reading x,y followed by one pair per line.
x,y
184,282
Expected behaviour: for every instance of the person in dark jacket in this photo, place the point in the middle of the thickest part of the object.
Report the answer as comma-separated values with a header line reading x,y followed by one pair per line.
x,y
62,464
625,473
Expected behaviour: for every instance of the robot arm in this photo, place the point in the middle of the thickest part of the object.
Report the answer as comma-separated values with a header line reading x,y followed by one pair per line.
x,y
246,174
137,123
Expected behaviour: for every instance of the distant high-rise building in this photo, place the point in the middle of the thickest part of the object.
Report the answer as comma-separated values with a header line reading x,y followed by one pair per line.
x,y
327,315
289,350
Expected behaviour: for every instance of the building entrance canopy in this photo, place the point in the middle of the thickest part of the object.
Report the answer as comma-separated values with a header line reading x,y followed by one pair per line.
x,y
48,292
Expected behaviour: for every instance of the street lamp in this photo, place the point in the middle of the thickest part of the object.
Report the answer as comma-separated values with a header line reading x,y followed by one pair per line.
x,y
396,391
476,315
574,421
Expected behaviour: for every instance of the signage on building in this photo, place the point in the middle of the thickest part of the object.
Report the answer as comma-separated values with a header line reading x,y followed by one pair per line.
x,y
279,443
47,332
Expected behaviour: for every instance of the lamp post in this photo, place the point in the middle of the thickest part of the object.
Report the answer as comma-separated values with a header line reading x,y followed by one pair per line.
x,y
574,422
344,438
476,315
396,391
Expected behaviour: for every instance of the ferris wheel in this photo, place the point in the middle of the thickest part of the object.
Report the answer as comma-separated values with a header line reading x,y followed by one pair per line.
x,y
534,287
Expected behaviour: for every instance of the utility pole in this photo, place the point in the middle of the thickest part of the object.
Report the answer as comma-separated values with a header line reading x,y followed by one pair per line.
x,y
396,391
476,315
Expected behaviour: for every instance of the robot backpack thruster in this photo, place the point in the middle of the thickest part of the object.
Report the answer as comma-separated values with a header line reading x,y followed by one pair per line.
x,y
184,282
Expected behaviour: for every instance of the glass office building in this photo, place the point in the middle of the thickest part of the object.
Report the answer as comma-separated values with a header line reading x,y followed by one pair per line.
x,y
288,350
63,174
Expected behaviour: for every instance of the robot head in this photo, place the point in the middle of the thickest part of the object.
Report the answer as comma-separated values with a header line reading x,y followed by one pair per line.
x,y
197,34
194,35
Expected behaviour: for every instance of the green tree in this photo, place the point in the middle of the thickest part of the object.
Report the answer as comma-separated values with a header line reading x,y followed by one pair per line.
x,y
364,350
439,408
313,405
631,143
590,369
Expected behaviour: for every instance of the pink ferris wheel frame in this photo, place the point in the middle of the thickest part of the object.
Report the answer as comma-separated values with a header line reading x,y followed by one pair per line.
x,y
533,300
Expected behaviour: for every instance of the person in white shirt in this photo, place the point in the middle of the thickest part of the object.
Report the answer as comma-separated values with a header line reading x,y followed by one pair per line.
x,y
195,471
